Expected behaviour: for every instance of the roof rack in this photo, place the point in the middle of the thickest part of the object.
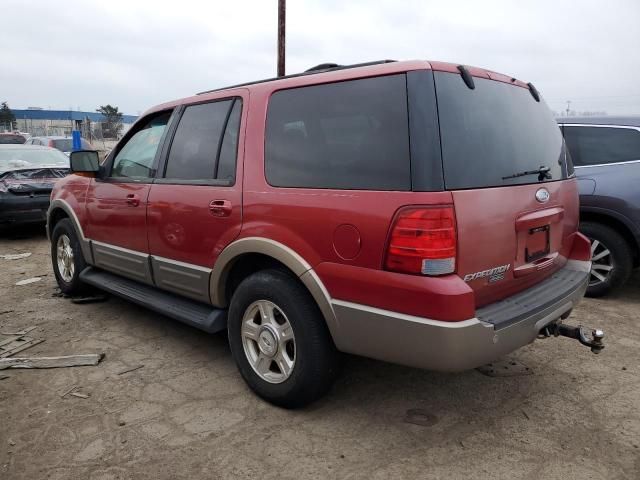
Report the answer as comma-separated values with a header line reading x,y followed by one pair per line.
x,y
323,67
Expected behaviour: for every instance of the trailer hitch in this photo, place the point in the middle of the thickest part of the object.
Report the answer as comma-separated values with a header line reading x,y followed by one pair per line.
x,y
578,333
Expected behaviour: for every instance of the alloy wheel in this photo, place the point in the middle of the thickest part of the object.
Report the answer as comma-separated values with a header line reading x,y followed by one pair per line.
x,y
64,258
601,263
268,341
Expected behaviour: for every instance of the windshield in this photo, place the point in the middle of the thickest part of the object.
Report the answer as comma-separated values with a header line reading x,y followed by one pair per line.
x,y
66,144
496,135
12,139
25,157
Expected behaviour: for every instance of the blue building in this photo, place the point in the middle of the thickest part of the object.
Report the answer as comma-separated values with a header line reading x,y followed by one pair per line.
x,y
39,121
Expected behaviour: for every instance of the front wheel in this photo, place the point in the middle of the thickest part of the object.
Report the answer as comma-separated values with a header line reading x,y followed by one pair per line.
x,y
279,340
611,258
67,259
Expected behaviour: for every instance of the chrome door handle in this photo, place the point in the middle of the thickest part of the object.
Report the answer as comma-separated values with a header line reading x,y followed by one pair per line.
x,y
133,200
220,208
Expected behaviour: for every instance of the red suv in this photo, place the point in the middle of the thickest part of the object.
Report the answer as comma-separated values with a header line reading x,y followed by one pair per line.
x,y
416,212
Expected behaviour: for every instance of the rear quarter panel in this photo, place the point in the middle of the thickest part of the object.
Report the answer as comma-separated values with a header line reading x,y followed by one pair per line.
x,y
342,234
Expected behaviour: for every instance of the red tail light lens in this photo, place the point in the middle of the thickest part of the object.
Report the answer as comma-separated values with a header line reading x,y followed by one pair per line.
x,y
51,143
423,241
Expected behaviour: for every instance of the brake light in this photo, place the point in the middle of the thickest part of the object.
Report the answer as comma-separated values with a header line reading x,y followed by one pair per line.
x,y
423,241
51,143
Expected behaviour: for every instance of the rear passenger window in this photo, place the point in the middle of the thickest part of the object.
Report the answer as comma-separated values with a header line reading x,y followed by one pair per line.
x,y
195,145
601,145
347,135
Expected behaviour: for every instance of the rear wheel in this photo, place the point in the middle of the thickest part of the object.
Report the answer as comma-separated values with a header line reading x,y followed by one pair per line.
x,y
611,258
67,258
279,340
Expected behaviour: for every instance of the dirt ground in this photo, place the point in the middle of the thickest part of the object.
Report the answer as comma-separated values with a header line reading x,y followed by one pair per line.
x,y
187,413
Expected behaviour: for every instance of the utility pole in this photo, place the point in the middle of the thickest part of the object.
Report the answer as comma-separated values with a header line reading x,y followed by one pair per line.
x,y
568,107
282,10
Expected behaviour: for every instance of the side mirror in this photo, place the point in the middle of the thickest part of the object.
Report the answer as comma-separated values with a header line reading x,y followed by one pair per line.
x,y
85,161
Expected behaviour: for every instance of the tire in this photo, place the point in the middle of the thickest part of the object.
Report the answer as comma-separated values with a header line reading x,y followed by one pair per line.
x,y
304,347
608,271
67,271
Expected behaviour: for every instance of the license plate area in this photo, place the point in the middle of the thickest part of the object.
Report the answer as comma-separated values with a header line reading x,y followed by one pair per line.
x,y
538,243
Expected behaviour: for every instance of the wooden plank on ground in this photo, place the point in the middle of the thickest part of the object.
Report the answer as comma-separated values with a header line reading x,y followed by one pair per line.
x,y
20,333
51,362
19,346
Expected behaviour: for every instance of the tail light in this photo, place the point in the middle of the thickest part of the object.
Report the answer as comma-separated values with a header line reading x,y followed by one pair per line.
x,y
423,241
51,143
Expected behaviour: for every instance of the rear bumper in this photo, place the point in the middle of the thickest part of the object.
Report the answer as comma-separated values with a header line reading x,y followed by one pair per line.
x,y
456,346
23,209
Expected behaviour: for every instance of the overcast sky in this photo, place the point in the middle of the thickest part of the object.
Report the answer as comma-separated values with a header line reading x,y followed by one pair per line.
x,y
135,54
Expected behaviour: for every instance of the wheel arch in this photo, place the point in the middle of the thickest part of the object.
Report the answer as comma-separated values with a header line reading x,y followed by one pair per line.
x,y
617,224
255,253
59,210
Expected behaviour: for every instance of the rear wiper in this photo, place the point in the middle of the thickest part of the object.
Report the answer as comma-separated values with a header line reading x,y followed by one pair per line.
x,y
542,172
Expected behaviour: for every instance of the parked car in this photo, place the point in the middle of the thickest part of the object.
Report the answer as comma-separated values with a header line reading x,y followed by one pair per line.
x,y
27,175
606,156
64,144
348,209
12,138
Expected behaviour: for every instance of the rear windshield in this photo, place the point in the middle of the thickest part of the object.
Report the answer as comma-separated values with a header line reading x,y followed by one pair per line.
x,y
495,135
12,139
66,144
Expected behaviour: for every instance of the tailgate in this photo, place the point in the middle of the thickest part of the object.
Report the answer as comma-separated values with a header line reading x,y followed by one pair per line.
x,y
508,240
505,163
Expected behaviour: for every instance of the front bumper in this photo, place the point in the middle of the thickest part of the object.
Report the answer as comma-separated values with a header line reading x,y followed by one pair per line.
x,y
498,329
15,209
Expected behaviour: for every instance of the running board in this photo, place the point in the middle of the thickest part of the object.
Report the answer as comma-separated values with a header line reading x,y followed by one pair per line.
x,y
196,314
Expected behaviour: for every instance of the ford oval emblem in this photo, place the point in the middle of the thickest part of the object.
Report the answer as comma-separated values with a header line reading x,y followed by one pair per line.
x,y
542,195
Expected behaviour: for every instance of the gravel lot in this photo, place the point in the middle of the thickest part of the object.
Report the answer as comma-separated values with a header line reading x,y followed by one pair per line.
x,y
188,414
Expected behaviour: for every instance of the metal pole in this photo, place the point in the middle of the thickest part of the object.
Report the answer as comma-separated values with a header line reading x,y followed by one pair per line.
x,y
282,9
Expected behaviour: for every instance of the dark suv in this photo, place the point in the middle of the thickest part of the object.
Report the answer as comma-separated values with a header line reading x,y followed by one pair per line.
x,y
416,212
606,155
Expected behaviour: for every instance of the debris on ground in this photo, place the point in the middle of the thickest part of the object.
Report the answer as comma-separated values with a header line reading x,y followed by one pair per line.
x,y
127,370
505,368
91,359
79,395
18,342
4,312
89,299
418,416
68,391
15,256
4,377
27,281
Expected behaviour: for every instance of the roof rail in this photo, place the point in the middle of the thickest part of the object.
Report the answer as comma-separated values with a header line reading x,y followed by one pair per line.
x,y
323,67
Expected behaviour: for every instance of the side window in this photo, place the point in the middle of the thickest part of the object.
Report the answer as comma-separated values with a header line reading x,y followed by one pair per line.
x,y
136,158
347,135
199,140
601,145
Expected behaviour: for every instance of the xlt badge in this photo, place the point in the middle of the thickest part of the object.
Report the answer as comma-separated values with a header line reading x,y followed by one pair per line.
x,y
494,274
